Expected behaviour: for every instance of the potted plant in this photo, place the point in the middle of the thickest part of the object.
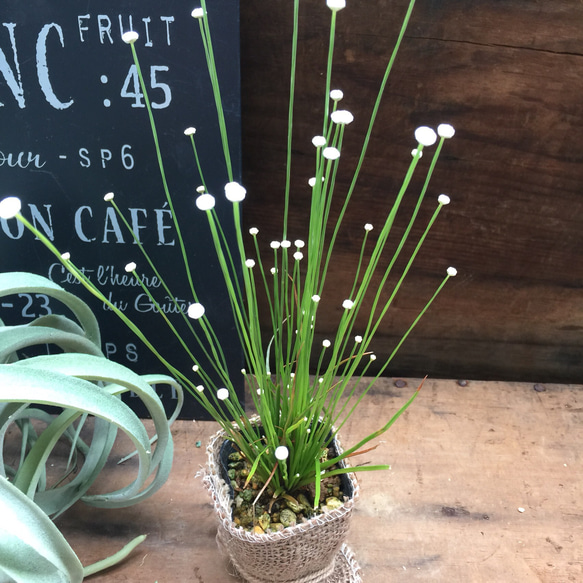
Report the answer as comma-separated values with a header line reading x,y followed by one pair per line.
x,y
79,384
303,390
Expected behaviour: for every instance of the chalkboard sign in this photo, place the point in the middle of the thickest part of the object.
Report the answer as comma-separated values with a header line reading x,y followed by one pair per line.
x,y
74,127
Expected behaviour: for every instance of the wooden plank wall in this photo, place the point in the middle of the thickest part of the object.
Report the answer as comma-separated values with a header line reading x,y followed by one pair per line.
x,y
509,76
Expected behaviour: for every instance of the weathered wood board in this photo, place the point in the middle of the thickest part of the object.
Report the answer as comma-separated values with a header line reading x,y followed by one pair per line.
x,y
465,460
509,76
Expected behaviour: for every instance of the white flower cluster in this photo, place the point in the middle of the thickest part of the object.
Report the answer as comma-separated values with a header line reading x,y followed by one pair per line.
x,y
336,95
205,202
10,207
235,192
336,5
427,137
195,311
130,37
331,153
342,117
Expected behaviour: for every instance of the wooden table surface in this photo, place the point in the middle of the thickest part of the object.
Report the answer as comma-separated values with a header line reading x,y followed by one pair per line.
x,y
485,486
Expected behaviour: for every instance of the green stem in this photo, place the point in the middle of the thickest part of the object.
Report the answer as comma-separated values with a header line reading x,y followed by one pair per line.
x,y
113,559
290,116
162,169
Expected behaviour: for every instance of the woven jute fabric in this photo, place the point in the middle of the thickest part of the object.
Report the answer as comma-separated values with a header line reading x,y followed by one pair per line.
x,y
309,552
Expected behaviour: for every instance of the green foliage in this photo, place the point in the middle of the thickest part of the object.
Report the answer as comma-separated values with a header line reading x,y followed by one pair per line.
x,y
81,383
300,408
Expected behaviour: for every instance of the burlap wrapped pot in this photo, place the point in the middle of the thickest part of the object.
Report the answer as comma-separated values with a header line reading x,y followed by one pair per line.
x,y
310,552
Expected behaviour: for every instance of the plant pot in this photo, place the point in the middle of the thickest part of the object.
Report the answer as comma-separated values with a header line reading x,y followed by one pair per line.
x,y
313,551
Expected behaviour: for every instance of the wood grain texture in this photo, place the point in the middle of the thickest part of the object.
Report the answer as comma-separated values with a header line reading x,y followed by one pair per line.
x,y
509,76
464,460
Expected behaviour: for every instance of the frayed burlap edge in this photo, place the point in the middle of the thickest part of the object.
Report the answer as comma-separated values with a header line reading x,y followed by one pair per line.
x,y
310,552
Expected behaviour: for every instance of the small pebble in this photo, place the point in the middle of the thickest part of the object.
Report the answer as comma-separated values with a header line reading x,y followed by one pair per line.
x,y
198,443
400,383
264,521
287,517
462,383
333,502
539,388
520,509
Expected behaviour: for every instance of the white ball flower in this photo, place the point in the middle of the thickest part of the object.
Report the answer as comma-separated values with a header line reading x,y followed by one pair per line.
x,y
281,453
348,304
66,256
298,255
195,311
445,130
197,13
312,181
451,271
200,388
358,339
316,298
201,189
373,356
250,263
130,267
235,192
254,231
205,202
130,37
331,153
415,152
275,244
425,136
336,5
223,394
10,207
319,141
336,95
190,131
299,243
368,227
326,343
195,367
286,244
443,199
342,116
108,197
